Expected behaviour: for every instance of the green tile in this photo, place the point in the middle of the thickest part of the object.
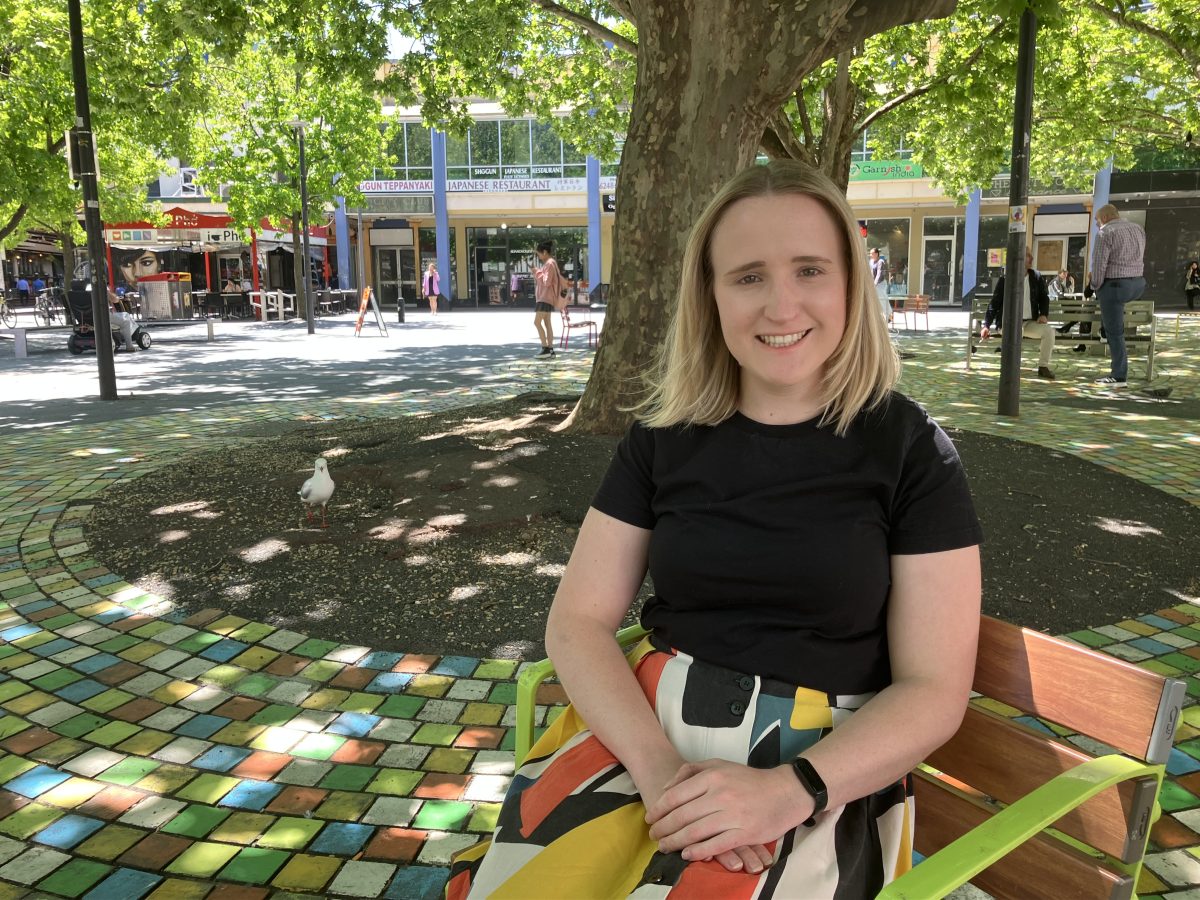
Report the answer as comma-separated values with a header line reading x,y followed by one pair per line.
x,y
433,733
256,685
11,689
497,669
1182,661
443,815
75,877
484,818
196,821
344,805
113,733
348,777
208,788
59,621
321,670
28,820
1157,665
55,680
503,693
78,726
314,648
254,865
10,725
224,676
109,700
12,766
1187,631
1174,797
1090,638
360,702
399,706
398,782
201,640
128,770
318,746
252,633
276,714
290,833
118,643
202,860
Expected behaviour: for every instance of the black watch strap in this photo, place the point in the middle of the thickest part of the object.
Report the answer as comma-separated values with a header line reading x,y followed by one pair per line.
x,y
812,783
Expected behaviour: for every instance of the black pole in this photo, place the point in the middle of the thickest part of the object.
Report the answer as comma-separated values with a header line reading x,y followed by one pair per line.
x,y
308,298
1018,203
85,159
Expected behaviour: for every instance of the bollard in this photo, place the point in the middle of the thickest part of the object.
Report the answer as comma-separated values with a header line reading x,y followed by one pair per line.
x,y
210,331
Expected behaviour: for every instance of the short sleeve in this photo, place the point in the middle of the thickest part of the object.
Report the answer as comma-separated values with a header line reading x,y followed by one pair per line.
x,y
932,508
627,492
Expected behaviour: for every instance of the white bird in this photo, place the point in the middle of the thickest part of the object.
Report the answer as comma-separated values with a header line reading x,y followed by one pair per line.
x,y
317,490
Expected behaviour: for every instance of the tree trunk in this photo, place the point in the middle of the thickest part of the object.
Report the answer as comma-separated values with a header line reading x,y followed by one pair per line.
x,y
68,245
298,286
840,113
710,76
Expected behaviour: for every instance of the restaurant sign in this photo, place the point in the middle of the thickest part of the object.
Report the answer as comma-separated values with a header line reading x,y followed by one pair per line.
x,y
885,170
492,185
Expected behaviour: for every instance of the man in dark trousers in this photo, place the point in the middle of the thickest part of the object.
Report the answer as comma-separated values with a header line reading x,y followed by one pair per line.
x,y
1035,309
1116,278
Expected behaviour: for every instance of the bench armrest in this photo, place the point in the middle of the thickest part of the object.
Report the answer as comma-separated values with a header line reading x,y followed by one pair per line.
x,y
531,679
960,861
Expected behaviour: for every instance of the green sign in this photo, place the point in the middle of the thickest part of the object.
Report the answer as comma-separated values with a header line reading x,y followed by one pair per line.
x,y
885,170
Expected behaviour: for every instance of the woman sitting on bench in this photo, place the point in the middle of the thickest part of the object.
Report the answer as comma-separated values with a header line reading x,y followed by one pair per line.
x,y
813,548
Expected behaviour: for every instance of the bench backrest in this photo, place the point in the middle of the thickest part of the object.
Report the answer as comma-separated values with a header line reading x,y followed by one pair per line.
x,y
997,757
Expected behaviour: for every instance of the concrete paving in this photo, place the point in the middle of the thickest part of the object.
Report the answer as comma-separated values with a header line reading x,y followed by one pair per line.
x,y
148,754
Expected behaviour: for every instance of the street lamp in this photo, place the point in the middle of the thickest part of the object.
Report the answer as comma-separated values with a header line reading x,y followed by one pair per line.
x,y
300,125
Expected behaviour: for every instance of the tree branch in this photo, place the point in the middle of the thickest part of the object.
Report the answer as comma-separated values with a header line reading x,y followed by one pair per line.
x,y
593,28
782,139
13,221
805,122
925,88
624,10
1122,18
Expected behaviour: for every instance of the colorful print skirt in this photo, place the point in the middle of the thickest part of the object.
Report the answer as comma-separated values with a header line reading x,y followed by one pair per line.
x,y
572,826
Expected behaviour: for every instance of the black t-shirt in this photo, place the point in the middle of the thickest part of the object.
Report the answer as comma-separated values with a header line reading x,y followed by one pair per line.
x,y
771,544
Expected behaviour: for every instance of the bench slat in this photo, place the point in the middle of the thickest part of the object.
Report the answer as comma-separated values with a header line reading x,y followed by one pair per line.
x,y
1041,675
1005,760
1042,867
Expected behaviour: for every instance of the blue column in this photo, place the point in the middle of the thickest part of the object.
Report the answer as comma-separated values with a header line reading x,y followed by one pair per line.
x,y
594,270
342,229
440,213
1100,189
970,272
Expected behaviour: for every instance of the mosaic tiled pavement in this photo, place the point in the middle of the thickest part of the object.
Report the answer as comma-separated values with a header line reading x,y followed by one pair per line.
x,y
148,754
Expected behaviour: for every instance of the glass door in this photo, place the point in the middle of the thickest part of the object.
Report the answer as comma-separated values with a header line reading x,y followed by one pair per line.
x,y
387,275
938,278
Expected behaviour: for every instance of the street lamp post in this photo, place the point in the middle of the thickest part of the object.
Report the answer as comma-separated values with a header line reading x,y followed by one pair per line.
x,y
300,125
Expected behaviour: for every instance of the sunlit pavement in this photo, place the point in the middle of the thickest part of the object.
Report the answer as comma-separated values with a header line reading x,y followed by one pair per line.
x,y
150,755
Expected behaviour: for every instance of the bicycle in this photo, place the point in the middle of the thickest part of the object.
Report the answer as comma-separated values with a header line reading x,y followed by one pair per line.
x,y
46,309
7,316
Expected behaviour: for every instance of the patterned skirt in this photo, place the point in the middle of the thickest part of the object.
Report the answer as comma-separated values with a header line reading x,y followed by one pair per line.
x,y
572,825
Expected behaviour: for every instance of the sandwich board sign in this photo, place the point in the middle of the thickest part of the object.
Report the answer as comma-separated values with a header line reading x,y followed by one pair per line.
x,y
368,297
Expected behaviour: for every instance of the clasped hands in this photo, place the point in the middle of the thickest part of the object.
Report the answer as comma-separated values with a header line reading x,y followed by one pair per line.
x,y
728,812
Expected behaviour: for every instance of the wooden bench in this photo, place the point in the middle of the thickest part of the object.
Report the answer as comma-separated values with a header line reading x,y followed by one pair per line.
x,y
1138,313
986,800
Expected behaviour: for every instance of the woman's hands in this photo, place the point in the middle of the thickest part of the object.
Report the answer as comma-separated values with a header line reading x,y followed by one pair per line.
x,y
723,810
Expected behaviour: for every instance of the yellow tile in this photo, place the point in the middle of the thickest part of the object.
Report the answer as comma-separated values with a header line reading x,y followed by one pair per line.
x,y
145,742
139,652
227,624
72,792
27,703
174,691
997,707
255,658
242,828
237,733
326,699
1138,627
166,779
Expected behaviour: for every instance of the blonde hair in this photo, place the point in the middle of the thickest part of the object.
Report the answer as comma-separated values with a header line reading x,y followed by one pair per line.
x,y
696,379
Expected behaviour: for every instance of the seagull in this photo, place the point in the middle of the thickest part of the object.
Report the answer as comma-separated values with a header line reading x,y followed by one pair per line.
x,y
317,490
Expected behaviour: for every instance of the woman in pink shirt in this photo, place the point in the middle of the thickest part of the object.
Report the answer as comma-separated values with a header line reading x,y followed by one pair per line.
x,y
548,290
431,287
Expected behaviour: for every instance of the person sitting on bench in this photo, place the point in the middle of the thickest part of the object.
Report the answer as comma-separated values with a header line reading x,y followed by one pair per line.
x,y
1035,312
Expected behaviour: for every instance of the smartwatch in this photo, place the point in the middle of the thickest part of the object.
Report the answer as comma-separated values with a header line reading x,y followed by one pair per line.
x,y
812,783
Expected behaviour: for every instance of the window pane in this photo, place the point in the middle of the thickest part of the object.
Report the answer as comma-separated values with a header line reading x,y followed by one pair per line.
x,y
456,151
547,150
485,150
890,237
514,142
420,152
395,150
573,154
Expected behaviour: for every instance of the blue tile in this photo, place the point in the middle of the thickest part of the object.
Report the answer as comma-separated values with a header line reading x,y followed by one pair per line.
x,y
251,795
379,659
1158,622
177,615
418,883
1179,763
221,759
68,831
1151,646
79,691
112,615
202,726
460,666
18,631
35,604
36,781
124,884
341,839
352,724
1035,724
101,580
95,663
389,682
224,650
51,647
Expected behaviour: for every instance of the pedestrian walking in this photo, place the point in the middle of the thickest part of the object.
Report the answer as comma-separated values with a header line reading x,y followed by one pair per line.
x,y
1191,283
431,287
549,295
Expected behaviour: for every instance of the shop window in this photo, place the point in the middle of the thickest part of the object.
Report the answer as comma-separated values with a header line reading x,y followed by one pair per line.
x,y
485,150
891,238
514,147
547,151
418,140
456,152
